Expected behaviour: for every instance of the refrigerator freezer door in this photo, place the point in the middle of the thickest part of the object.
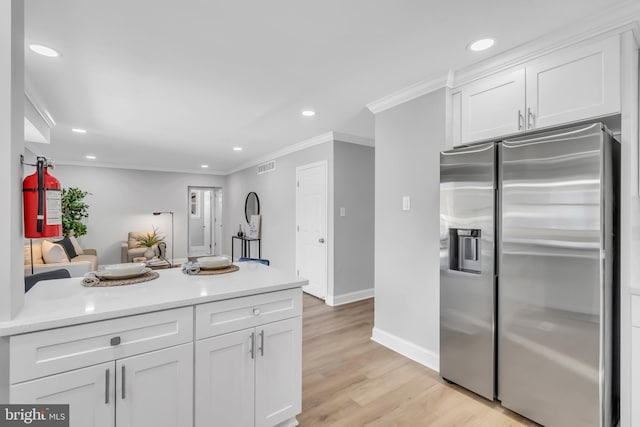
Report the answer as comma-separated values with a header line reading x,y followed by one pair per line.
x,y
467,277
551,277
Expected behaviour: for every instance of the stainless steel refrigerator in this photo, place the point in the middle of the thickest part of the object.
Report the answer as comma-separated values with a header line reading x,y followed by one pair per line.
x,y
528,273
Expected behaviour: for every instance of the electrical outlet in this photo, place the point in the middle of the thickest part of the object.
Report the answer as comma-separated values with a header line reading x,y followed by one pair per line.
x,y
343,212
406,203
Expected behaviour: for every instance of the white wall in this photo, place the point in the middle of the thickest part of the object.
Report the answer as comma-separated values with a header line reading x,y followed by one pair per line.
x,y
11,146
353,233
276,191
123,200
409,138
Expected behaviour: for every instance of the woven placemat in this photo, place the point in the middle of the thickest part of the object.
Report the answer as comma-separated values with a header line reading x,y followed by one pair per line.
x,y
228,269
95,282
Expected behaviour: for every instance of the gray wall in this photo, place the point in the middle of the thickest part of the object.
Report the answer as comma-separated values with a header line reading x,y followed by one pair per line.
x,y
409,138
276,191
123,200
353,233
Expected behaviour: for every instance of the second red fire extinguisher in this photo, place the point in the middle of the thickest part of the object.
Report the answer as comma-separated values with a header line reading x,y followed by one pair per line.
x,y
42,203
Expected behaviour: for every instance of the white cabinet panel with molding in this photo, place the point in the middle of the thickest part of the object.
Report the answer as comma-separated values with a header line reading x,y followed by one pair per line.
x,y
492,106
574,84
89,392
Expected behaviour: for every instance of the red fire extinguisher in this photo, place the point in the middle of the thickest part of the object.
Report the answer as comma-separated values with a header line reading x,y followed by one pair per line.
x,y
42,203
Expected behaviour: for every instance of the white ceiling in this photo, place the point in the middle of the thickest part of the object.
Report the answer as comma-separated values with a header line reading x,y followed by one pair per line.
x,y
173,84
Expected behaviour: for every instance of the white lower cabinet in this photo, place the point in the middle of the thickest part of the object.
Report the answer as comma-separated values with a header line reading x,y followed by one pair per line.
x,y
149,390
252,377
88,391
155,389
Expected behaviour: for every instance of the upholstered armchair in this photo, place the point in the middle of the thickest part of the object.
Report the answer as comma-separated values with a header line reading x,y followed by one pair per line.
x,y
130,249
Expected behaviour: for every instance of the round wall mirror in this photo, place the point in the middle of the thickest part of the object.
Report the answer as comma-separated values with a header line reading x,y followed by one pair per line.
x,y
251,206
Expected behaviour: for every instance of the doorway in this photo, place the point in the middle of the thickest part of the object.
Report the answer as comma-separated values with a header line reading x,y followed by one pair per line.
x,y
311,227
204,213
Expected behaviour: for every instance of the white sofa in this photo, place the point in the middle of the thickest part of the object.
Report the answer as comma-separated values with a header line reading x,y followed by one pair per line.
x,y
77,266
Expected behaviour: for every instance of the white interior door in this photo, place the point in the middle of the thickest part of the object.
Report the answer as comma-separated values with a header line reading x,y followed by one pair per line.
x,y
311,227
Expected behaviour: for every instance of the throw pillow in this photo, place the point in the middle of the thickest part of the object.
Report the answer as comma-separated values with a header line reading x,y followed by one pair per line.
x,y
37,254
76,245
53,253
68,247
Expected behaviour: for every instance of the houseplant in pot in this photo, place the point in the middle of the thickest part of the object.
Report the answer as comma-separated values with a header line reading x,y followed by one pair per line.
x,y
74,210
148,241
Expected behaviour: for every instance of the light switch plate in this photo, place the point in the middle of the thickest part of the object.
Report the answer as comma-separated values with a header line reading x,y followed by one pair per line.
x,y
342,212
406,203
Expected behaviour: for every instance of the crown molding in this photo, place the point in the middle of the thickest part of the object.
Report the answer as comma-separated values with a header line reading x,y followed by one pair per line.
x,y
144,168
407,94
307,143
615,20
36,101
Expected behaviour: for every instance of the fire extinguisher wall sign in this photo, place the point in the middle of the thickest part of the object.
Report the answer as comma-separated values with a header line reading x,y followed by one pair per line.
x,y
42,203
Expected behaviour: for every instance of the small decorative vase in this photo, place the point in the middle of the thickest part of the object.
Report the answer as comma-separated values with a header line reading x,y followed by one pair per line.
x,y
148,254
240,233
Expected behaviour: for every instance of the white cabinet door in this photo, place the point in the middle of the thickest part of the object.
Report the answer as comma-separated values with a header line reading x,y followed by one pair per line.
x,y
493,106
635,376
278,372
574,84
225,380
88,391
156,389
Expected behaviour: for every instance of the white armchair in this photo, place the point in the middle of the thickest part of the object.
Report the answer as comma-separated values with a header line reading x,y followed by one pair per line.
x,y
130,249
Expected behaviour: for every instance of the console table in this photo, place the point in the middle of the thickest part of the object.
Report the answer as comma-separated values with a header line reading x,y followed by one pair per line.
x,y
246,246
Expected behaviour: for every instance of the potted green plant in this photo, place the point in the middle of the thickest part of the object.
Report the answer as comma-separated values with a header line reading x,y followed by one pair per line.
x,y
148,241
74,209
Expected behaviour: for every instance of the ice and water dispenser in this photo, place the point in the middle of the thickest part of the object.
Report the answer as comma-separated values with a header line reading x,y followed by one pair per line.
x,y
464,250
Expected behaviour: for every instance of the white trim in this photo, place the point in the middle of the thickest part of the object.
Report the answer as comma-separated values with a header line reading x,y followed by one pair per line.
x,y
615,20
408,349
92,164
307,143
407,94
334,300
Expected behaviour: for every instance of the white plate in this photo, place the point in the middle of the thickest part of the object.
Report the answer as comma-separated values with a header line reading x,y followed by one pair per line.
x,y
213,262
112,275
125,268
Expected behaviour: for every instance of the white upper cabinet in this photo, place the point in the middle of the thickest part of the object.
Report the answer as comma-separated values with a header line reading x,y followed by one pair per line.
x,y
572,84
493,106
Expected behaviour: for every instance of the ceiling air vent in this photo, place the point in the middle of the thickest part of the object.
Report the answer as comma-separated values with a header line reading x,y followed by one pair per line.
x,y
267,167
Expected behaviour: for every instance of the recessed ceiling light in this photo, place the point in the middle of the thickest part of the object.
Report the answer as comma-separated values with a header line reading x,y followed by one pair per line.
x,y
78,130
237,148
44,50
481,44
90,157
204,166
308,113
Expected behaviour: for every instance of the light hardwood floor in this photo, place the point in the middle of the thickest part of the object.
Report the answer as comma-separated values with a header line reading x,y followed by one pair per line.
x,y
349,380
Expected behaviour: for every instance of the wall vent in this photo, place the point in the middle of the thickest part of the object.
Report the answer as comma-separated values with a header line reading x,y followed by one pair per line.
x,y
269,166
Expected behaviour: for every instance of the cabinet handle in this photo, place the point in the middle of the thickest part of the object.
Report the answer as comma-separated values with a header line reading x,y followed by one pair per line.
x,y
520,119
530,118
106,386
123,386
253,345
261,343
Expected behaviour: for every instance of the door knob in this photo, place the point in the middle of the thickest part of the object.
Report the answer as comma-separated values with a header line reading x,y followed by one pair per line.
x,y
321,240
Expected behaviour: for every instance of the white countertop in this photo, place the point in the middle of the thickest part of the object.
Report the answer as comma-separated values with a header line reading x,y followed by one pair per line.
x,y
63,302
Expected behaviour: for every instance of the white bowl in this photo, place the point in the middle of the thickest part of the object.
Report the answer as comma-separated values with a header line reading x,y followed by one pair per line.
x,y
211,262
125,269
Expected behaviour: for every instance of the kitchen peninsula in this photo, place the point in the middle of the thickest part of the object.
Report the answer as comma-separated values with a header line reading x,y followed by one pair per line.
x,y
134,355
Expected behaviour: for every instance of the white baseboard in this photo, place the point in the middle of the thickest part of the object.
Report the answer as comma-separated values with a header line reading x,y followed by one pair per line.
x,y
334,300
408,349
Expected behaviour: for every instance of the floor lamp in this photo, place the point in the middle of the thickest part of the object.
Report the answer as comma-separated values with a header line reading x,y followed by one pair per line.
x,y
171,213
